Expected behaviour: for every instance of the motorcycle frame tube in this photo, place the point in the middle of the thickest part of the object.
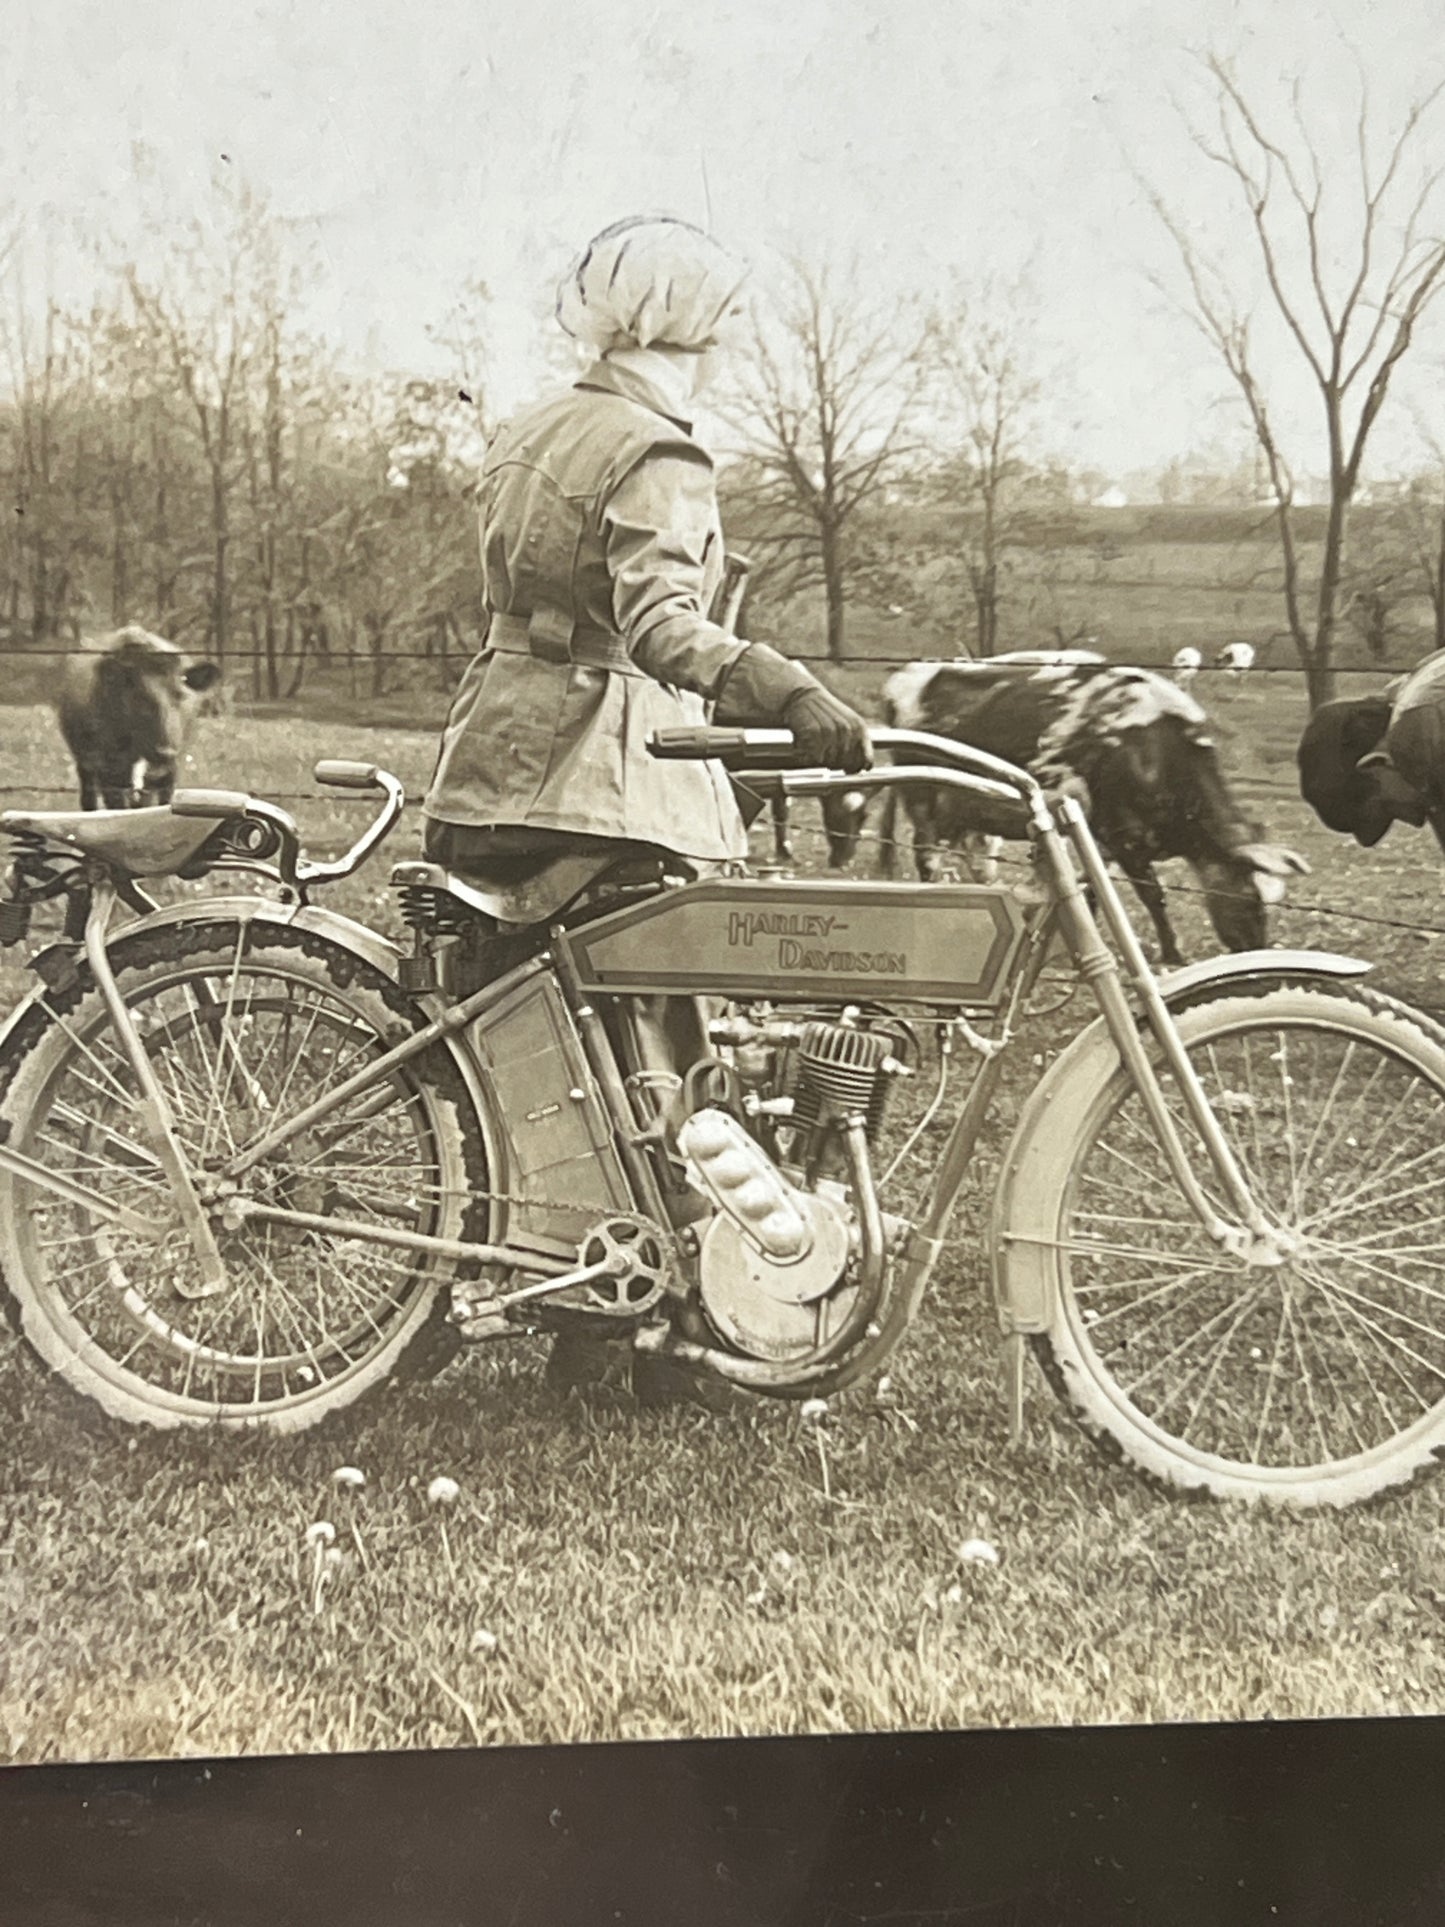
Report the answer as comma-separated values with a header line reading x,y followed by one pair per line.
x,y
958,1149
167,1147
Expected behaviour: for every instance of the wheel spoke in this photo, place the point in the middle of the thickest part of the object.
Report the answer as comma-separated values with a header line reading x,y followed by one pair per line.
x,y
238,1042
1274,1367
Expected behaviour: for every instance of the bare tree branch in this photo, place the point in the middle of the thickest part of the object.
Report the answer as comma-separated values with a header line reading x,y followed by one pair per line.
x,y
1364,330
822,409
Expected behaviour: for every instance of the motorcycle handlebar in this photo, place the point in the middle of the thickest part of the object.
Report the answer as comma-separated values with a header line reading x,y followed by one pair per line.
x,y
775,749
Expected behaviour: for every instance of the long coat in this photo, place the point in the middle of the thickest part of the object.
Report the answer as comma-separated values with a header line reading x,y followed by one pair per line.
x,y
601,552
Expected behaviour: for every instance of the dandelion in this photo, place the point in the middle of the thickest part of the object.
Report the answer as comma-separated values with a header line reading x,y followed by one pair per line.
x,y
444,1492
349,1478
954,1594
783,1560
201,1546
885,1386
321,1542
484,1642
978,1552
813,1411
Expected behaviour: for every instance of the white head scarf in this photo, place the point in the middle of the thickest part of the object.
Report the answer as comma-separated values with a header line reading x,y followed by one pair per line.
x,y
650,282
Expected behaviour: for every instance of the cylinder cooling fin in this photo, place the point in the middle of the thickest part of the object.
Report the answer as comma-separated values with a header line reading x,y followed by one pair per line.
x,y
840,1074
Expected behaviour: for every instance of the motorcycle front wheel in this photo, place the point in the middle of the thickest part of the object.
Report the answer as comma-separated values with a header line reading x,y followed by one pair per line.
x,y
1316,1381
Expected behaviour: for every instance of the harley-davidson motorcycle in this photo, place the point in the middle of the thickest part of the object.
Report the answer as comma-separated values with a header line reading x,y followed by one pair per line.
x,y
255,1160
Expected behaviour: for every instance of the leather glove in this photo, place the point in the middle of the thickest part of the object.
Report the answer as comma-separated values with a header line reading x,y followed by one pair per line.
x,y
764,686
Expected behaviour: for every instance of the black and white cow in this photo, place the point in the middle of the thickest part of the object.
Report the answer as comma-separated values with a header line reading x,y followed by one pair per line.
x,y
1135,749
126,705
843,815
1234,661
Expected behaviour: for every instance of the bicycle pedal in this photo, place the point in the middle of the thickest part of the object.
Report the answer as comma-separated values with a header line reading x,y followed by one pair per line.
x,y
476,1311
483,1325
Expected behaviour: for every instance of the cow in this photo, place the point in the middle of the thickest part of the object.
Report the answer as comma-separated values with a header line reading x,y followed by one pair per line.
x,y
1235,660
1136,751
1187,664
125,706
1368,762
844,814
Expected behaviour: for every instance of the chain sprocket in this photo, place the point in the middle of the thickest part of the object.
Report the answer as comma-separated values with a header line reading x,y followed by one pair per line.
x,y
637,1255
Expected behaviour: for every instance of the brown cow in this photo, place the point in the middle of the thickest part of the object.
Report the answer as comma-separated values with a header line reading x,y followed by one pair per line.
x,y
125,706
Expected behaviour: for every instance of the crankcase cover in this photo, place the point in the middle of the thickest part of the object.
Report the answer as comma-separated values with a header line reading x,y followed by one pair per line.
x,y
777,1311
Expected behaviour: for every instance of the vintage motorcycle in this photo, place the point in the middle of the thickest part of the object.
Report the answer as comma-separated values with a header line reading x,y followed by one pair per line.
x,y
255,1160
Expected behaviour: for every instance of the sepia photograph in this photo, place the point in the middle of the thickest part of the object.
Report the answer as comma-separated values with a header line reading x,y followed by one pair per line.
x,y
722,871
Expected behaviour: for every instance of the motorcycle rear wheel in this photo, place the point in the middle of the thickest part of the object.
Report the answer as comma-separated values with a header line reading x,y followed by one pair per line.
x,y
243,1028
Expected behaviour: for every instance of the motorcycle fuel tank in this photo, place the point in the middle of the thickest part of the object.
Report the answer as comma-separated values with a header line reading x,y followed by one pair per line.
x,y
816,938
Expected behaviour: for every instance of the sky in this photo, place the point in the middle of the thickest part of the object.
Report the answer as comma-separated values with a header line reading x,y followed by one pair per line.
x,y
911,142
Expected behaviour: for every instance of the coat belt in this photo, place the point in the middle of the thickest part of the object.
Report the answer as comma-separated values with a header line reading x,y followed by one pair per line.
x,y
550,636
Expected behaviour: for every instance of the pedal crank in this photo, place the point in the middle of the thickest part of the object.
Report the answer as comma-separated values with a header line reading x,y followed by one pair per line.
x,y
621,1273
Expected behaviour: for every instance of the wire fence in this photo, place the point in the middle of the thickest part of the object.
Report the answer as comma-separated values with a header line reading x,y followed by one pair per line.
x,y
346,661
1292,907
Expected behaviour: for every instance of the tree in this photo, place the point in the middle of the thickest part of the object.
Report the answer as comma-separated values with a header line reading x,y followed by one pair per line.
x,y
984,364
211,320
1350,296
823,404
1397,563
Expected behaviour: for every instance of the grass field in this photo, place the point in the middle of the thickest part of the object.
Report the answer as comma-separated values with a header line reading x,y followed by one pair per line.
x,y
612,1573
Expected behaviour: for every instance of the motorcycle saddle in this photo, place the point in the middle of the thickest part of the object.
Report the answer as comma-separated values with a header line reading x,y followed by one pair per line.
x,y
519,892
136,843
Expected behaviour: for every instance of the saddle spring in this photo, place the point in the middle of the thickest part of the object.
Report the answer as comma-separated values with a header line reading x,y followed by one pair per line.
x,y
432,912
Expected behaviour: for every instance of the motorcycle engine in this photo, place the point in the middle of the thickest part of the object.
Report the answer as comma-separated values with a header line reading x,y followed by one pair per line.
x,y
768,1309
799,1081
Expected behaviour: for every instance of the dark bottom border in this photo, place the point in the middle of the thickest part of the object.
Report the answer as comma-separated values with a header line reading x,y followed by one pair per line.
x,y
1190,1826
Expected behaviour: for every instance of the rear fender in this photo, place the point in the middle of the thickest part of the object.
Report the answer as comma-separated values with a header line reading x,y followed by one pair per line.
x,y
1020,1237
266,914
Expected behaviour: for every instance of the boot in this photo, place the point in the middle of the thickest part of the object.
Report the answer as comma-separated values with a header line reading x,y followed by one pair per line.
x,y
587,1362
659,1383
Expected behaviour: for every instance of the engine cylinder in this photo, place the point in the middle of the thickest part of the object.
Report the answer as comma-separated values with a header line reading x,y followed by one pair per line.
x,y
840,1073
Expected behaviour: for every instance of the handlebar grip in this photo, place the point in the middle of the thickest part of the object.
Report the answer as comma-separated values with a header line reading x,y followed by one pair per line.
x,y
737,748
342,775
218,804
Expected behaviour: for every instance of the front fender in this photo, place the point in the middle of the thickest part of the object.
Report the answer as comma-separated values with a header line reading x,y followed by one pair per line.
x,y
1179,986
1019,1237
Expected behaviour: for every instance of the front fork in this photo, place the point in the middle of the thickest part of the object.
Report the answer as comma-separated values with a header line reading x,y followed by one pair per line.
x,y
1251,1235
156,1120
